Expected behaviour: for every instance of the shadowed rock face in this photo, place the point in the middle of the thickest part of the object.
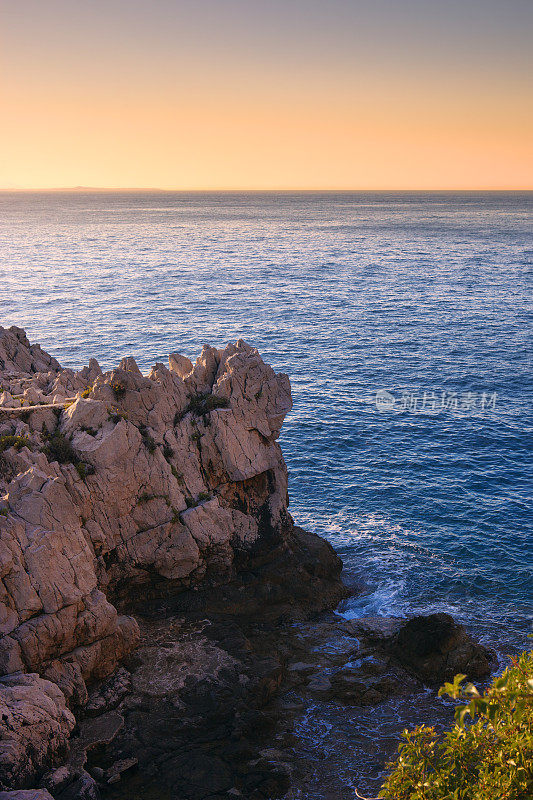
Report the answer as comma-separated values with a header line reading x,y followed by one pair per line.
x,y
435,648
117,489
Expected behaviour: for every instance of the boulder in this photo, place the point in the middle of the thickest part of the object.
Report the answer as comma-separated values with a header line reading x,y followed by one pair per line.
x,y
435,648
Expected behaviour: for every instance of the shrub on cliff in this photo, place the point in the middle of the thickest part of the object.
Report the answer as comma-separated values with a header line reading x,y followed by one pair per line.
x,y
59,448
488,756
18,442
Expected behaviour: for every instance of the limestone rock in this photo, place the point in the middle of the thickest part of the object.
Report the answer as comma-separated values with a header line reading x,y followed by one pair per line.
x,y
117,488
179,364
18,356
36,726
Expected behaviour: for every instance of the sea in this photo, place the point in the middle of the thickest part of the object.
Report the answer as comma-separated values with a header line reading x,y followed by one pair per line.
x,y
404,323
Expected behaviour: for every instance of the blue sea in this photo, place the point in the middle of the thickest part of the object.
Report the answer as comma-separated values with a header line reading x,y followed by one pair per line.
x,y
403,321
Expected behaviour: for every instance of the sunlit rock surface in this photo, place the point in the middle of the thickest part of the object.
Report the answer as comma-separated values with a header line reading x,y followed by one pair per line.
x,y
116,488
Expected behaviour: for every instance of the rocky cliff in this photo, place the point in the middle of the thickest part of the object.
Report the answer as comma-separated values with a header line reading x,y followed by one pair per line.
x,y
117,490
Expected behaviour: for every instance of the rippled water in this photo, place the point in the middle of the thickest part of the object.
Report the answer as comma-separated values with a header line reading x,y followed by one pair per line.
x,y
349,294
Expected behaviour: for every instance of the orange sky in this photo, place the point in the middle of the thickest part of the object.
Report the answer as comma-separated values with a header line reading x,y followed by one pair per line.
x,y
222,94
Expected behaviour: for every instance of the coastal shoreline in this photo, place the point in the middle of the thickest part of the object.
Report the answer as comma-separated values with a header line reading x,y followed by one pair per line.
x,y
156,585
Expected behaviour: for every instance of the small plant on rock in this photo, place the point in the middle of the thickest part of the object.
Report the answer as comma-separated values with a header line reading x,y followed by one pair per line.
x,y
144,498
119,390
148,442
84,469
59,448
202,404
177,475
18,442
115,416
89,430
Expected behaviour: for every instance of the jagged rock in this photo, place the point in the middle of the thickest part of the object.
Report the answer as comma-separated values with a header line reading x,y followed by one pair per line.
x,y
83,788
179,364
57,780
110,693
118,768
124,489
36,726
377,630
129,365
433,648
17,356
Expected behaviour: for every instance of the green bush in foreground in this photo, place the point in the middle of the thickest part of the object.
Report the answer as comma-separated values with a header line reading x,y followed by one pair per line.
x,y
488,757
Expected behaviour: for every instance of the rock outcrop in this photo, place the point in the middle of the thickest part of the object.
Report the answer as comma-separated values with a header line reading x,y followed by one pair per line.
x,y
118,489
431,648
435,648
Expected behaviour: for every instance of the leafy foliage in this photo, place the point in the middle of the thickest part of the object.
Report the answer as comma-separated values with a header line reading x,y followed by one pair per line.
x,y
59,448
490,755
145,497
202,404
148,442
118,390
7,441
18,442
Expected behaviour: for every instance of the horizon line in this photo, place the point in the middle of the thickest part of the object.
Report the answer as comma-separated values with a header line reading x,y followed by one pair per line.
x,y
22,190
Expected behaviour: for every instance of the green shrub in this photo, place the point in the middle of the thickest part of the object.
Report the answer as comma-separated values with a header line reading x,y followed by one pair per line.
x,y
203,496
89,430
200,405
148,442
116,416
177,475
85,394
18,442
488,757
145,497
118,390
3,512
59,448
168,452
84,469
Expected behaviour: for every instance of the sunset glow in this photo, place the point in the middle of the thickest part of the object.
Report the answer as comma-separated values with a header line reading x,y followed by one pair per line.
x,y
227,94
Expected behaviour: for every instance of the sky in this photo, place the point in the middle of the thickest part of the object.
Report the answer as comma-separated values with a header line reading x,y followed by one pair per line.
x,y
266,94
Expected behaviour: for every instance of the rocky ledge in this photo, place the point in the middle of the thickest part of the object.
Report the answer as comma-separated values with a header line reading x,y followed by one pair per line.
x,y
155,591
117,491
